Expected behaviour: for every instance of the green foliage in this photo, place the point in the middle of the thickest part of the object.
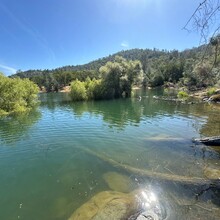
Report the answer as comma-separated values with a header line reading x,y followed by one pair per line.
x,y
17,95
93,89
88,90
157,80
111,74
211,91
173,71
182,95
117,78
78,91
192,68
203,75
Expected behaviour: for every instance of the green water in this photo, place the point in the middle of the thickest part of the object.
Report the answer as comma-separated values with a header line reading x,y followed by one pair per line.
x,y
45,172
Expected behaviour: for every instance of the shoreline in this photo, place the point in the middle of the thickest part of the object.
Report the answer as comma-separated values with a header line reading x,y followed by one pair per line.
x,y
204,95
201,94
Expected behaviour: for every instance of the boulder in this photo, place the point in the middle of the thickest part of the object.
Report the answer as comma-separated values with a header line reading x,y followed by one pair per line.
x,y
107,205
212,173
118,182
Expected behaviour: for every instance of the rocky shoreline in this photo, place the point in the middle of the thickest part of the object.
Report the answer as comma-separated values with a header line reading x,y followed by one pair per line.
x,y
194,97
203,95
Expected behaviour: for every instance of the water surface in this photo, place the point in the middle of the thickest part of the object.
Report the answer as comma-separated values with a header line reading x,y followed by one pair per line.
x,y
46,172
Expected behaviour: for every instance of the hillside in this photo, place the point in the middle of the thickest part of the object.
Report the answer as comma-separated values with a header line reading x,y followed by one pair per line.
x,y
197,66
133,54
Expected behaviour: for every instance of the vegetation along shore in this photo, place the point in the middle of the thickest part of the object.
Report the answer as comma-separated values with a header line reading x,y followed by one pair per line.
x,y
192,72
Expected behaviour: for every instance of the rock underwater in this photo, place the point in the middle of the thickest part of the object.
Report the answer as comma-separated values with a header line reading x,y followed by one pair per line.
x,y
107,205
212,173
119,182
120,206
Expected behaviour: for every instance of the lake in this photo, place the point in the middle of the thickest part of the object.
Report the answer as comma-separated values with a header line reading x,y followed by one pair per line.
x,y
62,154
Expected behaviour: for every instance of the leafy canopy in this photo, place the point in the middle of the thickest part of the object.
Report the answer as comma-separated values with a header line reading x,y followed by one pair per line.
x,y
16,95
116,81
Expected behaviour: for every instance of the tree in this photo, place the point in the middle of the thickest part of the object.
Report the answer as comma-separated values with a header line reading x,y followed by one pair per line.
x,y
157,80
203,75
78,91
17,95
93,89
173,71
111,74
119,77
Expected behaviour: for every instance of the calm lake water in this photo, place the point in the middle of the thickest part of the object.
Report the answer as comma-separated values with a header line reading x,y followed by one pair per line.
x,y
50,160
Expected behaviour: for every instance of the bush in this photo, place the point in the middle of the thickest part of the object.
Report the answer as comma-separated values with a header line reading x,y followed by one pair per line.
x,y
92,90
95,90
17,95
78,91
88,90
211,91
182,95
117,78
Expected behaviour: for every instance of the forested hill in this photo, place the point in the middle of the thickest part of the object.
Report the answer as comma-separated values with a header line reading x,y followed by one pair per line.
x,y
159,66
134,54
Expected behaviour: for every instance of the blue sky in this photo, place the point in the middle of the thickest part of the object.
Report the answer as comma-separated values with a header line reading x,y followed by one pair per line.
x,y
45,34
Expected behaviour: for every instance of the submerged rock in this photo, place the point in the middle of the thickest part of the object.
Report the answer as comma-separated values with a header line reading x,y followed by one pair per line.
x,y
118,182
164,137
60,207
121,206
212,173
107,205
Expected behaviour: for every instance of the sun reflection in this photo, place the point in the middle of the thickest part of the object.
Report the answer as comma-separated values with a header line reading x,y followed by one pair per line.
x,y
150,206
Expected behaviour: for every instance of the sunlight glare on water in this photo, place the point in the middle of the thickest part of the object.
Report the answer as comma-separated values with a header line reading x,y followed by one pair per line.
x,y
63,154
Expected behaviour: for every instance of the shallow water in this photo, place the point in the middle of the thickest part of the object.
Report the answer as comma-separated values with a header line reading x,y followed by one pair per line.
x,y
47,173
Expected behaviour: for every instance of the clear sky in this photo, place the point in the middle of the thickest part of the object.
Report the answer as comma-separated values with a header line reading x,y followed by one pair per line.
x,y
45,34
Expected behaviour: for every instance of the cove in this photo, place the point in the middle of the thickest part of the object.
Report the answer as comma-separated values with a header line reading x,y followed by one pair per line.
x,y
59,157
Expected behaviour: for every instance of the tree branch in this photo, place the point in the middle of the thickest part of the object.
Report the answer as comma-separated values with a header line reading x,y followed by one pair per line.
x,y
193,15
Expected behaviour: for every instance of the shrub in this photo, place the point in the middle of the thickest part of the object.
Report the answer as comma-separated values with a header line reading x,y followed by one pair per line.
x,y
182,95
95,90
78,91
211,91
17,95
90,86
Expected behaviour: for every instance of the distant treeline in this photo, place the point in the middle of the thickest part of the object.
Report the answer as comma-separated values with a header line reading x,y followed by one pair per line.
x,y
192,68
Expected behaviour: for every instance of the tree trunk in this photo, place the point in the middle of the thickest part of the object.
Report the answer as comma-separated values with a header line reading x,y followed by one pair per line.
x,y
150,173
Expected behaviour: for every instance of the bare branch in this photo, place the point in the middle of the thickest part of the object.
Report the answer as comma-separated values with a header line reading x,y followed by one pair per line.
x,y
190,19
205,20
